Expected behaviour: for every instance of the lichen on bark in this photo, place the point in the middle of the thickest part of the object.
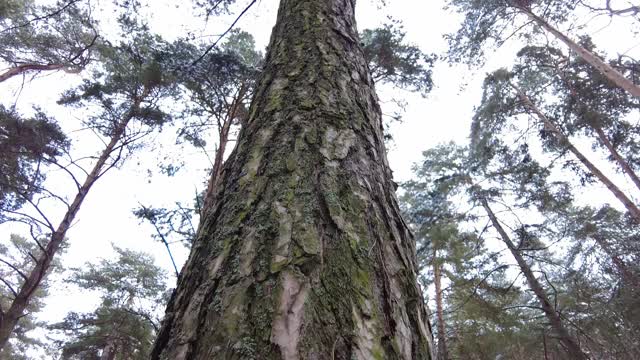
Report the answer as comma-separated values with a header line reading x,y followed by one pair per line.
x,y
303,254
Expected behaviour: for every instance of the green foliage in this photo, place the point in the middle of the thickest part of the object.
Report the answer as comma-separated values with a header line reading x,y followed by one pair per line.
x,y
61,33
16,254
129,85
131,288
26,146
488,23
223,78
585,100
393,61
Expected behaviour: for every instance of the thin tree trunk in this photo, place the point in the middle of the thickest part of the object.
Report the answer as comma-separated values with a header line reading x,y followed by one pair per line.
x,y
624,165
10,318
564,337
605,69
604,139
304,254
216,170
550,126
544,345
442,336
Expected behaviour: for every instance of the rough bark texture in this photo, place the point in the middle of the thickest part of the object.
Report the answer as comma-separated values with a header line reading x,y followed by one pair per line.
x,y
303,254
569,343
563,139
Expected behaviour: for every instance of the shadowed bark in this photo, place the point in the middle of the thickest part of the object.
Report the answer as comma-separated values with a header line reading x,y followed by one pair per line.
x,y
303,253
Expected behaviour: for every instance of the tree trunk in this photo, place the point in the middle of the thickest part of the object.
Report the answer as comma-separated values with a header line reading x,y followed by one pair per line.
x,y
550,126
304,254
442,353
602,136
624,165
10,318
223,133
605,69
564,337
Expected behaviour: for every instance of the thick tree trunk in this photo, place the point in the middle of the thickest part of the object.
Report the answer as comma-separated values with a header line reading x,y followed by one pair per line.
x,y
442,353
605,69
550,126
10,317
572,347
304,254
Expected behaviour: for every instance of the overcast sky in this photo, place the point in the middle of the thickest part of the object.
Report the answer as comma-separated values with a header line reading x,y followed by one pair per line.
x,y
106,216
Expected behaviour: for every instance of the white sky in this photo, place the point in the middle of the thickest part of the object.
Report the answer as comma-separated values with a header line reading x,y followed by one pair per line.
x,y
106,215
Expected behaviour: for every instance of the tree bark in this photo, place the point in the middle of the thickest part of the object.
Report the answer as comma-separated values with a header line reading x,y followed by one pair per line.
x,y
10,318
572,347
442,353
304,254
550,126
605,69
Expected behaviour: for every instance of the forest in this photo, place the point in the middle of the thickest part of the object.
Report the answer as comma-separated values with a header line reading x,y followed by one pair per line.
x,y
319,179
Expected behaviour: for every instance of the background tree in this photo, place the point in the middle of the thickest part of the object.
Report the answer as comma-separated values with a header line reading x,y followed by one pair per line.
x,y
125,92
27,146
124,324
496,21
508,95
36,38
18,255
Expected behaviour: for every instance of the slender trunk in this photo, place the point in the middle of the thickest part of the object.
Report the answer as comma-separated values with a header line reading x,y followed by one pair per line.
x,y
304,254
604,139
544,345
222,147
550,126
605,69
624,165
442,336
569,343
24,68
10,318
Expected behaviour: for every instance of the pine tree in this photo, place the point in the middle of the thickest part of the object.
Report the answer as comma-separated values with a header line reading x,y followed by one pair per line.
x,y
285,265
15,256
497,20
123,326
127,90
36,38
